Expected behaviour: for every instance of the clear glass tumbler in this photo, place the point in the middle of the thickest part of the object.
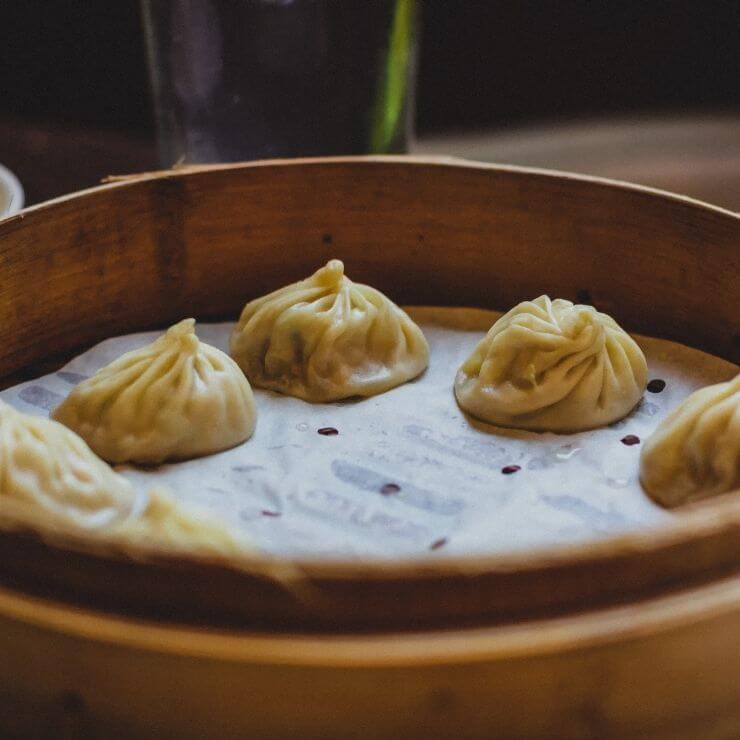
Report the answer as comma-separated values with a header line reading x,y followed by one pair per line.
x,y
254,79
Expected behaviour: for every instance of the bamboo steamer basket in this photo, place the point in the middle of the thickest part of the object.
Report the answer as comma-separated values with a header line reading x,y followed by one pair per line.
x,y
635,635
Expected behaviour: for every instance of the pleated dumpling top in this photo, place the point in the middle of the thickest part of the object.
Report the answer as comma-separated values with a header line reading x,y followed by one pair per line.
x,y
552,366
176,398
327,338
695,452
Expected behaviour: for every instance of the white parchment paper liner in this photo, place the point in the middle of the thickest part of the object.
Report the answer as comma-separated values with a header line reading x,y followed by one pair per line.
x,y
297,493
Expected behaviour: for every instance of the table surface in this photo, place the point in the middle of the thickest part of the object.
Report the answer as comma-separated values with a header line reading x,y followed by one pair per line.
x,y
696,156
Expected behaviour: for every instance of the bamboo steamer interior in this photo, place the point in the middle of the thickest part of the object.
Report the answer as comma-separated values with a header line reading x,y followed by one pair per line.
x,y
143,252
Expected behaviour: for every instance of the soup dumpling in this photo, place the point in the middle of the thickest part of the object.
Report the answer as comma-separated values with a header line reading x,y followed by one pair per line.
x,y
695,451
53,483
174,399
552,366
326,338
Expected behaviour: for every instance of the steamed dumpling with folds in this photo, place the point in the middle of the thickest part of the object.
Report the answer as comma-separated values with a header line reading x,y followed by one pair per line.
x,y
174,399
48,471
51,481
695,452
552,366
326,338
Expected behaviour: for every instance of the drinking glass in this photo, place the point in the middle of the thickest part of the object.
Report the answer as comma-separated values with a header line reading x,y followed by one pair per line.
x,y
253,79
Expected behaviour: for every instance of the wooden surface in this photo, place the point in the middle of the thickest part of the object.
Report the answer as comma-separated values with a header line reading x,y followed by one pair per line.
x,y
697,155
165,246
634,635
665,669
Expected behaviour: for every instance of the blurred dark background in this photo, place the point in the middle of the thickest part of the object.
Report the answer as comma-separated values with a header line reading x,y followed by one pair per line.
x,y
485,64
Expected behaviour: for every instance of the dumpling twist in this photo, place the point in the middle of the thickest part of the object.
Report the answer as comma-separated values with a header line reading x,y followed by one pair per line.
x,y
326,338
695,452
552,366
174,399
52,482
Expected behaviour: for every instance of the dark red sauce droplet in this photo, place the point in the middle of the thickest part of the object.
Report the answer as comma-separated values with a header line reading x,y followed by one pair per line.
x,y
328,431
388,488
630,439
441,542
509,469
265,512
656,386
